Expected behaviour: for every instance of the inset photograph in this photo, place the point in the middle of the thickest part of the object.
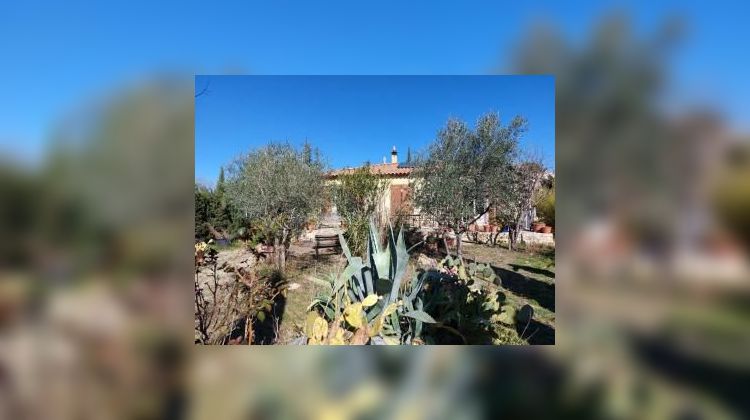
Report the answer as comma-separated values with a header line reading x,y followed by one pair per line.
x,y
374,210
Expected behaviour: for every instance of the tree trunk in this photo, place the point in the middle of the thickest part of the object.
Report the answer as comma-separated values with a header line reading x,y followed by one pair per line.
x,y
458,245
445,244
277,252
511,231
284,244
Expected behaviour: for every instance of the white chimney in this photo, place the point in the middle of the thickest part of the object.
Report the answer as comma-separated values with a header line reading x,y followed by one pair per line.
x,y
394,155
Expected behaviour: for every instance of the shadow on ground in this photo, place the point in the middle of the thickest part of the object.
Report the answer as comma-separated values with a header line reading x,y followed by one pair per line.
x,y
527,287
534,270
536,333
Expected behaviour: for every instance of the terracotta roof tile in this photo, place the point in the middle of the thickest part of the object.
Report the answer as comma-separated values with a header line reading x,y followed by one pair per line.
x,y
390,169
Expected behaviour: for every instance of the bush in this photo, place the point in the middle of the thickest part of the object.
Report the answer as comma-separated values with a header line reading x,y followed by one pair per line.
x,y
545,208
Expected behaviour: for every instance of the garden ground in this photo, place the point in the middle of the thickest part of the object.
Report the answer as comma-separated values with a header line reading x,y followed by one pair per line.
x,y
526,277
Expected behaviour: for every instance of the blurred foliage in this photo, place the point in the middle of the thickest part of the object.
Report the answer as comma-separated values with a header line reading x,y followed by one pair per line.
x,y
117,200
731,193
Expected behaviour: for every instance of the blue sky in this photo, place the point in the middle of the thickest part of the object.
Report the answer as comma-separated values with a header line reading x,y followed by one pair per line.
x,y
353,119
57,56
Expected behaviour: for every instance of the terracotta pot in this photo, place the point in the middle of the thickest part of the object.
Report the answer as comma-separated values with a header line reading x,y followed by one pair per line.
x,y
547,229
538,226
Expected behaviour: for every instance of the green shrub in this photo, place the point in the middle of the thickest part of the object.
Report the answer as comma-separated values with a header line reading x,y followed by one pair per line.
x,y
545,208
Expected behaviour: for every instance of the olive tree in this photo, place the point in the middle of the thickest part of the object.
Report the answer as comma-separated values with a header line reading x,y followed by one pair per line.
x,y
516,196
278,189
454,181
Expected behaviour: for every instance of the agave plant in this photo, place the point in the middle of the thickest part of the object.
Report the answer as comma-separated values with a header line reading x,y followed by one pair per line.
x,y
369,302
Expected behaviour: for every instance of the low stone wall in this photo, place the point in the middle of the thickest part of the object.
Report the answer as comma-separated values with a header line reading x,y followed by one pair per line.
x,y
526,236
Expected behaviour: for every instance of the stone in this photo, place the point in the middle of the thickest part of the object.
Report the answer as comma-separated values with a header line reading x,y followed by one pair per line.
x,y
426,263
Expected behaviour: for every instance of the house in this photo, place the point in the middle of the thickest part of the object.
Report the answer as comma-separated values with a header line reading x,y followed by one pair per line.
x,y
396,202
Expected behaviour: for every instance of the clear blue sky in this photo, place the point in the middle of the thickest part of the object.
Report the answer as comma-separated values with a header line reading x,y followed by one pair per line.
x,y
353,119
60,55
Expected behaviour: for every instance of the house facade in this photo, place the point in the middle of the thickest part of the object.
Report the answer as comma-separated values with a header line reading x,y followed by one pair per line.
x,y
396,200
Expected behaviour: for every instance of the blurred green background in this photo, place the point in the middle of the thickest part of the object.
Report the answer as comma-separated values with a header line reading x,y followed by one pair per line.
x,y
96,174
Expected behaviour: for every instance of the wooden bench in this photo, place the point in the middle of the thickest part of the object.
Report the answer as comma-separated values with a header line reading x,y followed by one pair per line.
x,y
326,241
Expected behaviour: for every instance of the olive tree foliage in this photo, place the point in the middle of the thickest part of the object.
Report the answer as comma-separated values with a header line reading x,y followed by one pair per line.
x,y
455,180
517,194
357,196
278,189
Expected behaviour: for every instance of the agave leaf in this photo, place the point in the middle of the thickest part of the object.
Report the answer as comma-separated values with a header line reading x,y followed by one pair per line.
x,y
367,275
418,285
382,262
420,316
391,308
375,311
374,237
352,296
329,312
354,271
418,326
408,305
345,247
400,259
394,323
392,248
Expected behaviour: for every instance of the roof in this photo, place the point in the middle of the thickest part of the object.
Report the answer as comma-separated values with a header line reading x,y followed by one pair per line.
x,y
386,169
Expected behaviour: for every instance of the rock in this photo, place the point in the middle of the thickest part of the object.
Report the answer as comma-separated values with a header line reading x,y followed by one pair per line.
x,y
426,263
